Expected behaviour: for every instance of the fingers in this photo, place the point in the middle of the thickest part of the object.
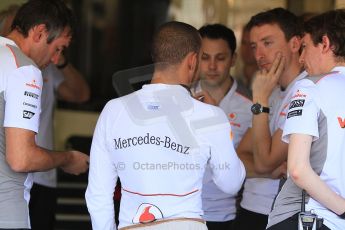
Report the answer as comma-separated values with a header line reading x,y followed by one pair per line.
x,y
276,63
205,97
79,163
199,96
280,67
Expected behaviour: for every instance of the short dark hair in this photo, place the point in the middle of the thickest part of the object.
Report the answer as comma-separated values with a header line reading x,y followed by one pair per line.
x,y
173,41
286,20
54,14
332,24
219,31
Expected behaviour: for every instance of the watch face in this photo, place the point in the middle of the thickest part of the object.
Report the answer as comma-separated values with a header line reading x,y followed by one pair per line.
x,y
256,108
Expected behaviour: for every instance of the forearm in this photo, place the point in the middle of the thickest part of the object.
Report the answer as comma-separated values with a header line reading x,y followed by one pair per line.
x,y
304,176
262,142
251,172
35,158
318,190
74,87
248,161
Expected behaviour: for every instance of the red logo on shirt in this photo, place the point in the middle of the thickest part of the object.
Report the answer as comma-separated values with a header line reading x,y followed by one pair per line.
x,y
146,216
299,94
283,112
341,122
33,85
147,213
232,116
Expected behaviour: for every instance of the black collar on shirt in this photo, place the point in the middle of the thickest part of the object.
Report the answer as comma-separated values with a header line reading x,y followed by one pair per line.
x,y
187,88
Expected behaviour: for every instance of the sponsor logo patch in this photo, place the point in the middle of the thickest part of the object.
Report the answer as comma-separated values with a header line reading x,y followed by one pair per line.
x,y
341,122
296,103
294,113
30,105
30,94
147,213
28,114
299,94
33,84
232,116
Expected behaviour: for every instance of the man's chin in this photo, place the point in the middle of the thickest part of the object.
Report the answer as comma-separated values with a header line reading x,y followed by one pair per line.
x,y
42,67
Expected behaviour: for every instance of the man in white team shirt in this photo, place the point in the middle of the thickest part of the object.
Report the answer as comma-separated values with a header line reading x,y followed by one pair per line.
x,y
217,56
41,30
159,140
315,129
275,40
67,83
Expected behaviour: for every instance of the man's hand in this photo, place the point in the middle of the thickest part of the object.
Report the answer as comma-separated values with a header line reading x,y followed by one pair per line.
x,y
265,81
78,163
280,172
205,97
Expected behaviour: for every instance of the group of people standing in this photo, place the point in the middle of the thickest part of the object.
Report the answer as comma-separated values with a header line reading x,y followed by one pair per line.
x,y
289,137
184,145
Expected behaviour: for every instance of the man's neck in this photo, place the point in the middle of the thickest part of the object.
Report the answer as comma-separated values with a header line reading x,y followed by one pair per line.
x,y
218,92
289,75
19,40
169,77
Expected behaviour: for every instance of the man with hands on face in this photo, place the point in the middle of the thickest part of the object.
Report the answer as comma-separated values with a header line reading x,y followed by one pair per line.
x,y
275,40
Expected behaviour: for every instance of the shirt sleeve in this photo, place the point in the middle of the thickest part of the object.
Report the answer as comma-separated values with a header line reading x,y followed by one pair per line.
x,y
58,76
102,177
303,112
23,98
227,169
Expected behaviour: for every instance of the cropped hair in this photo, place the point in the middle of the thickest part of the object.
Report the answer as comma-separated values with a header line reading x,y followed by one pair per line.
x,y
173,41
219,31
286,20
331,24
54,14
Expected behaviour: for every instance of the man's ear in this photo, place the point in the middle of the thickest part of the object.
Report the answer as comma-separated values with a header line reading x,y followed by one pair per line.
x,y
192,62
295,44
38,32
326,44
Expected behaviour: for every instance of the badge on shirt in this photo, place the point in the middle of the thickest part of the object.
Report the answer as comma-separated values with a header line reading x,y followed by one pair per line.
x,y
147,213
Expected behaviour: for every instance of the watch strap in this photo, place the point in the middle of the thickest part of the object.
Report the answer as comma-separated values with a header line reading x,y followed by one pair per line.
x,y
265,109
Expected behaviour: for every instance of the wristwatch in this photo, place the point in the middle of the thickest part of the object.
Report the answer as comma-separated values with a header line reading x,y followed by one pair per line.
x,y
257,109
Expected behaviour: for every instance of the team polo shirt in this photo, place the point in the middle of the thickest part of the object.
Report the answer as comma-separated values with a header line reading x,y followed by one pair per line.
x,y
259,193
20,90
158,140
217,205
315,109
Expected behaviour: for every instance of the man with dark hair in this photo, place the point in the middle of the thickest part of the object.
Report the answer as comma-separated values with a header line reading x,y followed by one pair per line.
x,y
67,83
314,129
158,140
217,56
23,52
275,40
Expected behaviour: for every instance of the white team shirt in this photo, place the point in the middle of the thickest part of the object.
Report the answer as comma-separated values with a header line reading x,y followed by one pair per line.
x,y
158,140
20,91
217,205
316,110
